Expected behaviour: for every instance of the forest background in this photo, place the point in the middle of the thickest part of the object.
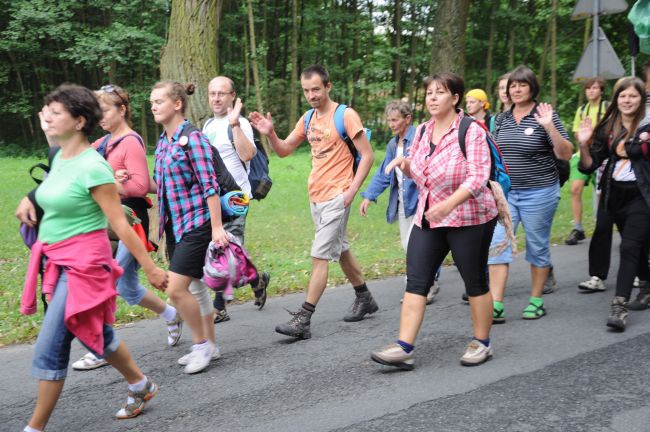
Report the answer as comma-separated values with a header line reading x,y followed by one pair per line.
x,y
375,51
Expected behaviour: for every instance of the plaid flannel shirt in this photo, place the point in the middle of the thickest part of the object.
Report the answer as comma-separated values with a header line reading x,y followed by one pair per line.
x,y
184,184
440,174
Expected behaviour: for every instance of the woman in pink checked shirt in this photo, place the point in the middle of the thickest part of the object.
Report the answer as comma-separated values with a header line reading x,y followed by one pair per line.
x,y
456,212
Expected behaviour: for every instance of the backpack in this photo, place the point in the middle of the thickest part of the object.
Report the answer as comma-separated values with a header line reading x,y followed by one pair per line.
x,y
226,181
104,144
258,174
227,267
339,124
498,168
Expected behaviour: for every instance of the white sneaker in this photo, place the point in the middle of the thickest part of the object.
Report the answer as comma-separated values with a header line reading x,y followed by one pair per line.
x,y
185,360
476,353
593,284
89,362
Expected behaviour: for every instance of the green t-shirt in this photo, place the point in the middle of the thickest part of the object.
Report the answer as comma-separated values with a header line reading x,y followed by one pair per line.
x,y
65,196
590,110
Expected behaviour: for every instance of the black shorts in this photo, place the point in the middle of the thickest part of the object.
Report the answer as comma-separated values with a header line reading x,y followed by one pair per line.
x,y
187,256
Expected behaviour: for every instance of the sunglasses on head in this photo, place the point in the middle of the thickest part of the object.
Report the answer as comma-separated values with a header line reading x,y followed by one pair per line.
x,y
111,89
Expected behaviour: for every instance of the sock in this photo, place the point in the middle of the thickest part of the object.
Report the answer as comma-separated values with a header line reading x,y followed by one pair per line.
x,y
361,288
28,428
485,342
309,307
537,301
407,347
136,387
169,313
497,305
578,226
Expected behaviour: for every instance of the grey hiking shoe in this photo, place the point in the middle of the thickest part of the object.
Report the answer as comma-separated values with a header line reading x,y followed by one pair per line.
x,y
618,314
642,300
298,325
394,355
550,284
260,290
363,304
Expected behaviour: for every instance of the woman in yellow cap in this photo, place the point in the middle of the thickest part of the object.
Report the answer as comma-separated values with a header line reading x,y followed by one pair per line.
x,y
477,105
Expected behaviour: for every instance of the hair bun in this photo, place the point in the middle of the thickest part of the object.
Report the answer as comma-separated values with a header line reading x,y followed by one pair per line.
x,y
190,88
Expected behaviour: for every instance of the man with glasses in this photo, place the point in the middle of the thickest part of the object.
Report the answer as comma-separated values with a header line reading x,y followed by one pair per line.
x,y
232,136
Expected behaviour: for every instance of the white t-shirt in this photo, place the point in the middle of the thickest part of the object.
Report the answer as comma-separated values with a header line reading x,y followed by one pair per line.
x,y
216,129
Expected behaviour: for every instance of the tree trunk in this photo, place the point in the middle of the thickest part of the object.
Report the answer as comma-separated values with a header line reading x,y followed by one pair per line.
x,y
293,80
542,60
554,54
193,26
511,38
397,71
490,52
256,73
413,64
448,47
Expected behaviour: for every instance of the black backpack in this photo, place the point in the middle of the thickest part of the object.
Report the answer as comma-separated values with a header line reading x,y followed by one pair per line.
x,y
226,181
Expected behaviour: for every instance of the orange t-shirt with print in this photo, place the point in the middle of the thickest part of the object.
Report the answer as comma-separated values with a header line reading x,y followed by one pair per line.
x,y
331,160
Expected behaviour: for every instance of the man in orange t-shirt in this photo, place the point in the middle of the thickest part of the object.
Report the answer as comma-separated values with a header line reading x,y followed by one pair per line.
x,y
332,186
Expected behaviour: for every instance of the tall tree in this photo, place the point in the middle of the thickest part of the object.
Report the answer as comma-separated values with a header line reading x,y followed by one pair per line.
x,y
554,53
193,26
490,52
256,72
293,82
448,47
397,71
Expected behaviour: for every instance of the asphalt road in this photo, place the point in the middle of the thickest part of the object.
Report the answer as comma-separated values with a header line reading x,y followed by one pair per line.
x,y
565,372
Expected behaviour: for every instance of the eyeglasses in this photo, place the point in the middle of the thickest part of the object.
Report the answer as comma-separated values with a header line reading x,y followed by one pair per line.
x,y
111,89
222,94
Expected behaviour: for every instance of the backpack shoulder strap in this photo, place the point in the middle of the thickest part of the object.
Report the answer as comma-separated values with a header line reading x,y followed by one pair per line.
x,y
339,121
308,116
423,129
465,122
103,145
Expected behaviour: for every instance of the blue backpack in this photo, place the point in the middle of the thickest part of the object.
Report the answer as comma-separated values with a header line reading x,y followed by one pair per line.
x,y
498,169
339,124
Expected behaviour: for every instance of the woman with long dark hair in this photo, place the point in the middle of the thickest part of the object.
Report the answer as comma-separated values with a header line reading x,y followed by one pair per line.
x,y
625,184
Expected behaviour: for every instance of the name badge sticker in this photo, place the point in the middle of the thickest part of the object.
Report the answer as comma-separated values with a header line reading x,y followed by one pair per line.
x,y
529,131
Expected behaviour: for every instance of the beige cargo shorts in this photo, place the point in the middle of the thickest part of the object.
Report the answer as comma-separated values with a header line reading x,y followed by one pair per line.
x,y
331,222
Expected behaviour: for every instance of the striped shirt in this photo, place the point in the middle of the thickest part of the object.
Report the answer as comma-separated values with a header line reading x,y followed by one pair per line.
x,y
528,150
184,184
439,174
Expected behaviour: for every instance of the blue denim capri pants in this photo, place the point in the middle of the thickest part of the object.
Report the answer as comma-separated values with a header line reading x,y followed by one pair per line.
x,y
128,285
534,208
52,349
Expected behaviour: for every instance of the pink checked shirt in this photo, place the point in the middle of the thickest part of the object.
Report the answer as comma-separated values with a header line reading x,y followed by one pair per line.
x,y
439,175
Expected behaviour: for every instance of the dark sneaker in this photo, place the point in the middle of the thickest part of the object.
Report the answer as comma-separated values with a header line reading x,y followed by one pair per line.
x,y
618,314
298,325
394,355
363,304
551,283
260,290
574,237
642,300
221,316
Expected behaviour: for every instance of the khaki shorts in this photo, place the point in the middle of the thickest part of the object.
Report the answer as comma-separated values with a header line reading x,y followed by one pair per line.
x,y
331,222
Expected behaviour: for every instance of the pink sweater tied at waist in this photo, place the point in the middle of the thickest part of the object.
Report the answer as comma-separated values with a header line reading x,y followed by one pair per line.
x,y
92,273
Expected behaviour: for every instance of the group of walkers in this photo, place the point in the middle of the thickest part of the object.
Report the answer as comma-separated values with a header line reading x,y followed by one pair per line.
x,y
441,192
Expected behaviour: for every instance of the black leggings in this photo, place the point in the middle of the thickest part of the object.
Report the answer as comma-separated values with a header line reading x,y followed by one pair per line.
x,y
632,217
469,245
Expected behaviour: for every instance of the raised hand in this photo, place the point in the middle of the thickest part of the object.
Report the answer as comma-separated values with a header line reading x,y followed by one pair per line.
x,y
585,131
263,124
234,113
41,115
544,115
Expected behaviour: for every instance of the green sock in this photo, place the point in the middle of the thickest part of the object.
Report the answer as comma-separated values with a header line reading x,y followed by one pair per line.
x,y
497,305
537,301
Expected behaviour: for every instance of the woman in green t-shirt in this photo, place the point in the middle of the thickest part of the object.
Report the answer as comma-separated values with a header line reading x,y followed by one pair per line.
x,y
78,197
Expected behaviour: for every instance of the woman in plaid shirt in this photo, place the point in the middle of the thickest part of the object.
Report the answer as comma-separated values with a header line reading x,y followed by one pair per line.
x,y
189,213
456,212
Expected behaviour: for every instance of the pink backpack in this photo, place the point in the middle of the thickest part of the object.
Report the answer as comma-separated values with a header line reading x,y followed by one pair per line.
x,y
227,268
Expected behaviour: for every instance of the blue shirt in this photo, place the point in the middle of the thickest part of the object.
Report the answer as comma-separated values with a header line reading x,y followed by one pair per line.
x,y
380,181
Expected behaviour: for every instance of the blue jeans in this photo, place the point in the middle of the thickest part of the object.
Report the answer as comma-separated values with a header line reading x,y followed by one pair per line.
x,y
52,349
534,208
128,286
